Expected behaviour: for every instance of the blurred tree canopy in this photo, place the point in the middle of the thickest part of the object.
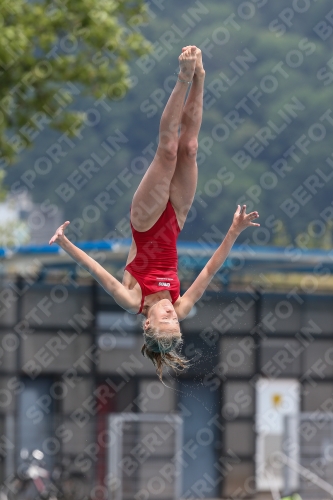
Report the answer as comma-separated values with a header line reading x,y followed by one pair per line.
x,y
266,133
52,51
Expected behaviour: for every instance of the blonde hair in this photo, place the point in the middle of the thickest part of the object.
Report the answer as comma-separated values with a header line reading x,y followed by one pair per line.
x,y
161,349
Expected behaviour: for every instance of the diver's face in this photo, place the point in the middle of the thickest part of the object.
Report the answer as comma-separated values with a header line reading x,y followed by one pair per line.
x,y
163,316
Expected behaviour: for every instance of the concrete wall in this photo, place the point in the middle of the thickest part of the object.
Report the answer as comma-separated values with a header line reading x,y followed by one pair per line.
x,y
87,351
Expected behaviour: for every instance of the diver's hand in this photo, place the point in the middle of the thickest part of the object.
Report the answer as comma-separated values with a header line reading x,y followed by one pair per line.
x,y
59,235
242,220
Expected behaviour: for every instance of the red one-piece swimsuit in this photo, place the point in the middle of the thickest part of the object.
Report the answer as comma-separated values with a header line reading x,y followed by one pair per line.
x,y
155,264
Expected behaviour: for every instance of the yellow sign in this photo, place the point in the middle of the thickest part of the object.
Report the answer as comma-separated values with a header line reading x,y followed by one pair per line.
x,y
277,400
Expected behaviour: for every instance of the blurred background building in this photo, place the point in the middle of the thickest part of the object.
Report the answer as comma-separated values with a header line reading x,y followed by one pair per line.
x,y
23,221
260,345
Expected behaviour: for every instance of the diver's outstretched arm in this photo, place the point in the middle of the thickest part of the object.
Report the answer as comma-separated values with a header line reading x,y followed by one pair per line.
x,y
127,299
240,222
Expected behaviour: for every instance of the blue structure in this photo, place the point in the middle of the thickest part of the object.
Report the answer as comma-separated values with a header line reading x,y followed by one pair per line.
x,y
193,256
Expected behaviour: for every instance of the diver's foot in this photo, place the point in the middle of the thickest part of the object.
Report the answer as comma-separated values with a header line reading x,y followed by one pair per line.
x,y
199,69
187,64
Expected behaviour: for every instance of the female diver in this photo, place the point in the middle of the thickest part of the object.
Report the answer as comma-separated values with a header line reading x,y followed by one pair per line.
x,y
160,205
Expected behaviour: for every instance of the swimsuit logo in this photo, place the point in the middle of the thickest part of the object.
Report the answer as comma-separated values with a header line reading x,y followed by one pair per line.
x,y
162,283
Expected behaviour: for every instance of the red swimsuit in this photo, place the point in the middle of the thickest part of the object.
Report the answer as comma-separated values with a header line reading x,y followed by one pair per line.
x,y
155,264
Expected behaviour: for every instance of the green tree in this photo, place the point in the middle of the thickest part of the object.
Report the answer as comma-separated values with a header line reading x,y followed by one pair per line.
x,y
54,50
243,55
14,233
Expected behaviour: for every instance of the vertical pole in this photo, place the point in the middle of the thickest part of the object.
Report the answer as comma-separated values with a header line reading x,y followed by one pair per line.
x,y
257,364
94,371
178,451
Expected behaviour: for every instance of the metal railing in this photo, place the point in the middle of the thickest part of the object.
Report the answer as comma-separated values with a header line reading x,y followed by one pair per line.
x,y
307,455
144,460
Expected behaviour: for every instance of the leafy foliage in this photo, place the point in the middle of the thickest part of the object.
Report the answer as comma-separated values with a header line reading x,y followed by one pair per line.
x,y
50,52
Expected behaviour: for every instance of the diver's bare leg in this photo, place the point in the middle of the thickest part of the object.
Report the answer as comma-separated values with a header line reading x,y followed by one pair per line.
x,y
184,181
153,193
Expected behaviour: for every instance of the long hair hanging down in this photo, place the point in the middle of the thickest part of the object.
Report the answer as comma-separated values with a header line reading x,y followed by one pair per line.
x,y
161,350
